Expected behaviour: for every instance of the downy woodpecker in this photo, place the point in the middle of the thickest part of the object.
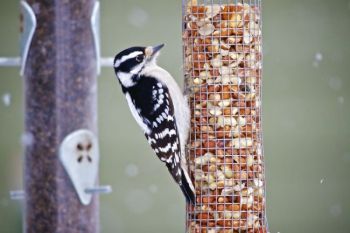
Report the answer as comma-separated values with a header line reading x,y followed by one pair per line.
x,y
159,107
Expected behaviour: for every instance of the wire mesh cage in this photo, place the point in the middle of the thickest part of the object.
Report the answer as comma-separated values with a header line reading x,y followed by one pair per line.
x,y
222,45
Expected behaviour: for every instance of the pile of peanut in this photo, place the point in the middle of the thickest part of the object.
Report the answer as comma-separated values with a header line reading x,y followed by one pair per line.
x,y
222,47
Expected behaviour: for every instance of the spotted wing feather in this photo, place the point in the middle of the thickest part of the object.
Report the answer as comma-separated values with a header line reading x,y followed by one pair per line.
x,y
155,111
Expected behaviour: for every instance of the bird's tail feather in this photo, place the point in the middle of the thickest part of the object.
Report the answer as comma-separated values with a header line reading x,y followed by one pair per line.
x,y
187,188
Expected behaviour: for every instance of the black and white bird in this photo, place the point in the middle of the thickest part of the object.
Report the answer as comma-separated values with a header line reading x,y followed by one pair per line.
x,y
159,107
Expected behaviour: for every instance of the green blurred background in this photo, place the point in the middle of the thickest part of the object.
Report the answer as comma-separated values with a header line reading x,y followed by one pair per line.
x,y
306,100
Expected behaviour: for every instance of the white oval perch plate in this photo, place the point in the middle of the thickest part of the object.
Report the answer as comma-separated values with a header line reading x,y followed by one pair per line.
x,y
79,154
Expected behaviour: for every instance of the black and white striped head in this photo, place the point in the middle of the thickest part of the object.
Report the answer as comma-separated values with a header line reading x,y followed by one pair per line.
x,y
129,63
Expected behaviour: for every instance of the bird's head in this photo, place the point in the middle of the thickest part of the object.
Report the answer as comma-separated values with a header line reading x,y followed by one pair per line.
x,y
129,63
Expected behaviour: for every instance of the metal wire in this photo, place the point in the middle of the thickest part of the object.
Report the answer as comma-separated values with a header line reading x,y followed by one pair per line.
x,y
222,66
16,61
9,61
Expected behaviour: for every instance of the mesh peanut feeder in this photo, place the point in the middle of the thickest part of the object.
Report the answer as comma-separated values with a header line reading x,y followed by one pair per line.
x,y
222,65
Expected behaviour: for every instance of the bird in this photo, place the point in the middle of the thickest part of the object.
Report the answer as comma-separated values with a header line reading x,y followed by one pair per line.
x,y
159,107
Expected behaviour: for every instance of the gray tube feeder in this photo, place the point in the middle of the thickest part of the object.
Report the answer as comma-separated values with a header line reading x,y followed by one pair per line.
x,y
60,59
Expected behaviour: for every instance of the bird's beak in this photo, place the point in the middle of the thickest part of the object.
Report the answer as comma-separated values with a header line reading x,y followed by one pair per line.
x,y
157,48
153,50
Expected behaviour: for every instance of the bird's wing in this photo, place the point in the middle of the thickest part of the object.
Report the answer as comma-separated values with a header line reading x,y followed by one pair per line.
x,y
164,137
156,115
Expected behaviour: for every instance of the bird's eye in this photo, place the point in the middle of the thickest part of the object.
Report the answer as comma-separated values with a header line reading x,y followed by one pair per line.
x,y
139,58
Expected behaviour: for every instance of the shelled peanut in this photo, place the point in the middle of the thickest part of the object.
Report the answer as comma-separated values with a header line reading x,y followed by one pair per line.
x,y
222,46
